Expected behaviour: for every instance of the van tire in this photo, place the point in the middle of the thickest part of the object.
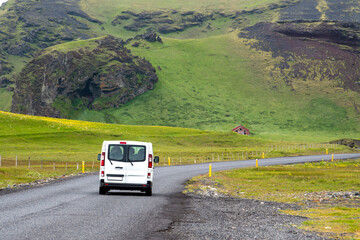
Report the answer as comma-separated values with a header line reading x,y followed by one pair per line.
x,y
148,192
102,191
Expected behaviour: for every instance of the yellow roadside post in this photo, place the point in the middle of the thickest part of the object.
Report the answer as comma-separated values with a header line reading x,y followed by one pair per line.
x,y
210,170
257,164
169,161
263,155
83,167
327,151
332,157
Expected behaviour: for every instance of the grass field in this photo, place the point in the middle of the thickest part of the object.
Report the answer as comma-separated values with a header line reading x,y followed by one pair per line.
x,y
61,142
70,140
309,185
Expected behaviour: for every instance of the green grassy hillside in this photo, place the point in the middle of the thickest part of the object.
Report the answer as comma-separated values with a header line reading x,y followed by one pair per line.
x,y
209,78
217,83
68,140
62,140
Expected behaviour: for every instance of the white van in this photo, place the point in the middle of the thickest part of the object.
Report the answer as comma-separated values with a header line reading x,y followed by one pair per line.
x,y
126,165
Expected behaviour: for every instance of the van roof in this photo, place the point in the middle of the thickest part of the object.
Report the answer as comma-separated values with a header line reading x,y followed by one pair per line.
x,y
126,142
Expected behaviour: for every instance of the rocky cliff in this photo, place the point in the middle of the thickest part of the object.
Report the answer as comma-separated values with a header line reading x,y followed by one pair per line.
x,y
94,74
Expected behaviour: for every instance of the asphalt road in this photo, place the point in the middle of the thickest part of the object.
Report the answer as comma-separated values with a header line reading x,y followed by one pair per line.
x,y
73,209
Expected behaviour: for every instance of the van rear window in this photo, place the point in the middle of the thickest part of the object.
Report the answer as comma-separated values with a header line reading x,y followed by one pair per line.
x,y
116,152
125,153
137,153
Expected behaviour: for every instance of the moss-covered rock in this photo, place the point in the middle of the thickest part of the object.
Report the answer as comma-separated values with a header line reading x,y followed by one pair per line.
x,y
94,74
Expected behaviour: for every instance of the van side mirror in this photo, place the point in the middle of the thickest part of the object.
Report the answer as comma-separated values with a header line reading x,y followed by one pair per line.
x,y
99,156
156,159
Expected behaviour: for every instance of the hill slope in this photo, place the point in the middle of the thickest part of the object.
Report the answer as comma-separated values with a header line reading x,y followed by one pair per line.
x,y
68,140
218,80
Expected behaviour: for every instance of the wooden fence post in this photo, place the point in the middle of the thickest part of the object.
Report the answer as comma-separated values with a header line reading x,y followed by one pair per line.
x,y
29,162
16,161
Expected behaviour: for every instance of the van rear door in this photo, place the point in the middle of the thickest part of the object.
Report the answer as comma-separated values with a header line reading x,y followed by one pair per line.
x,y
136,170
115,167
126,164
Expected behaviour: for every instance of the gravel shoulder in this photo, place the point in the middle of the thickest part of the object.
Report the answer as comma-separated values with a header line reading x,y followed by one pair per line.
x,y
196,216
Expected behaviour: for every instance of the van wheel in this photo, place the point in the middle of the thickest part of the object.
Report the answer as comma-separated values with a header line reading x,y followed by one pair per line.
x,y
102,191
148,192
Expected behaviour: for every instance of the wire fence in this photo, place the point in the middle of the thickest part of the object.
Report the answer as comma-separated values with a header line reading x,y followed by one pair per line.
x,y
47,164
175,159
270,151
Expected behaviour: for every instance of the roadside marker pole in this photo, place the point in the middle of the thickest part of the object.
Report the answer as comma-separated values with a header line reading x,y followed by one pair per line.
x,y
83,166
169,160
209,170
332,157
29,162
257,164
16,162
263,155
327,151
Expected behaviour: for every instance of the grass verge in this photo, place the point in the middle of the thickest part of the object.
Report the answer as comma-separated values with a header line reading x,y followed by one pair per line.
x,y
12,177
328,192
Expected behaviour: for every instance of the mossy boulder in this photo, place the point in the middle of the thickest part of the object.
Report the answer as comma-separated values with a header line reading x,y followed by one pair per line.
x,y
100,73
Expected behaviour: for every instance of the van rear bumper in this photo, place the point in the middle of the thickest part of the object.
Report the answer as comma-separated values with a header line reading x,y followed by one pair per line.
x,y
125,186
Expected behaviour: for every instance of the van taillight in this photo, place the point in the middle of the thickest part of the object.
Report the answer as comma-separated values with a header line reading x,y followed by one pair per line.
x,y
102,173
102,162
150,160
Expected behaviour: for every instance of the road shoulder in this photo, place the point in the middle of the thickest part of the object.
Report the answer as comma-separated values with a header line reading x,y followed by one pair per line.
x,y
196,216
